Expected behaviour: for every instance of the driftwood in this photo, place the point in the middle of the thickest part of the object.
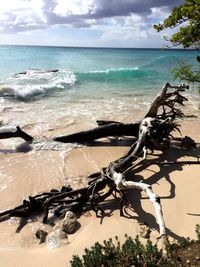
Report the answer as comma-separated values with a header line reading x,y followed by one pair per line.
x,y
17,133
112,128
152,132
104,130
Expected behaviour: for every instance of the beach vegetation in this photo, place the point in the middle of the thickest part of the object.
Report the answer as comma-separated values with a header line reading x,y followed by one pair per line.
x,y
134,253
186,19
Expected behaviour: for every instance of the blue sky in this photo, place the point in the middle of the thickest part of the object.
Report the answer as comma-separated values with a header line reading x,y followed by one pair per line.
x,y
101,23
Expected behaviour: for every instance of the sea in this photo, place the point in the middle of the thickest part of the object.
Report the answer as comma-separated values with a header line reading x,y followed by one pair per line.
x,y
44,85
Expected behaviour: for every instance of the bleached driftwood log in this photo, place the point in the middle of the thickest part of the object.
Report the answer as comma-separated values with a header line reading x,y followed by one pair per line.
x,y
154,133
117,169
122,184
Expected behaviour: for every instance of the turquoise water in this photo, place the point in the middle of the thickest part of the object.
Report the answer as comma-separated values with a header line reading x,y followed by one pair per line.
x,y
91,82
87,70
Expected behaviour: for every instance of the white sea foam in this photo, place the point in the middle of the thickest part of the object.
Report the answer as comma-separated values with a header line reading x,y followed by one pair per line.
x,y
113,70
36,82
53,145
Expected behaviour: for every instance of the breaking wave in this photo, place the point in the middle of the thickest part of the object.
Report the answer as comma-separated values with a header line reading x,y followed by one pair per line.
x,y
116,75
29,83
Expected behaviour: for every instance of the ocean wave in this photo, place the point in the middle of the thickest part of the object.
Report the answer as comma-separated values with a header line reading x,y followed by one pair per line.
x,y
116,75
36,83
29,83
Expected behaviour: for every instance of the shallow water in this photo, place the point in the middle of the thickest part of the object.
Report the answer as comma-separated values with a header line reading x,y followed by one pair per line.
x,y
47,83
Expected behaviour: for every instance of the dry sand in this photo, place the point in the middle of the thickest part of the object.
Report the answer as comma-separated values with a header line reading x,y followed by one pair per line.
x,y
39,170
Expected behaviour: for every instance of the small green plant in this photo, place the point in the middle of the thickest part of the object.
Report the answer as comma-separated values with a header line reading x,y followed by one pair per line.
x,y
131,253
134,253
197,230
184,242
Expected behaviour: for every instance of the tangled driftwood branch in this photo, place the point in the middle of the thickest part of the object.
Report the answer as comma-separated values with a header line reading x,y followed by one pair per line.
x,y
152,132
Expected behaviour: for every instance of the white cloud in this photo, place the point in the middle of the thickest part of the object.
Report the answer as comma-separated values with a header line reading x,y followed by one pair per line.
x,y
8,5
20,15
160,13
126,21
73,7
15,13
19,6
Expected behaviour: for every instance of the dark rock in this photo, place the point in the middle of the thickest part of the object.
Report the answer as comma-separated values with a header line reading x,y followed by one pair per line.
x,y
41,235
188,142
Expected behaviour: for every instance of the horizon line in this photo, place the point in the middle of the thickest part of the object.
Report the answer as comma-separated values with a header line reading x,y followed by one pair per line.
x,y
98,47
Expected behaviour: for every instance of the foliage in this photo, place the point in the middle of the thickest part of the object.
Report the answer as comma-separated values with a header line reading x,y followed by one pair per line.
x,y
188,72
197,230
188,16
133,253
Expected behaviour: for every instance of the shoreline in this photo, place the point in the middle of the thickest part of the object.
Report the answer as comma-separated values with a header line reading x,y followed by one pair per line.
x,y
43,170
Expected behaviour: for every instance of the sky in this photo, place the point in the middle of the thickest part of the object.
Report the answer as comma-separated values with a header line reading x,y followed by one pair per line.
x,y
90,23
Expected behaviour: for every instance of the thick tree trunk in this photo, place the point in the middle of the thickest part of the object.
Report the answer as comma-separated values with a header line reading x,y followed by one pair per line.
x,y
113,129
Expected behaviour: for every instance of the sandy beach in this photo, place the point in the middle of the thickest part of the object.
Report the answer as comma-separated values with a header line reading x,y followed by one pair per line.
x,y
118,81
44,169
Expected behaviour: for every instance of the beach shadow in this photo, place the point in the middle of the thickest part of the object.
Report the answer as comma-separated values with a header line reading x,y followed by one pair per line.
x,y
23,148
111,205
193,214
173,154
